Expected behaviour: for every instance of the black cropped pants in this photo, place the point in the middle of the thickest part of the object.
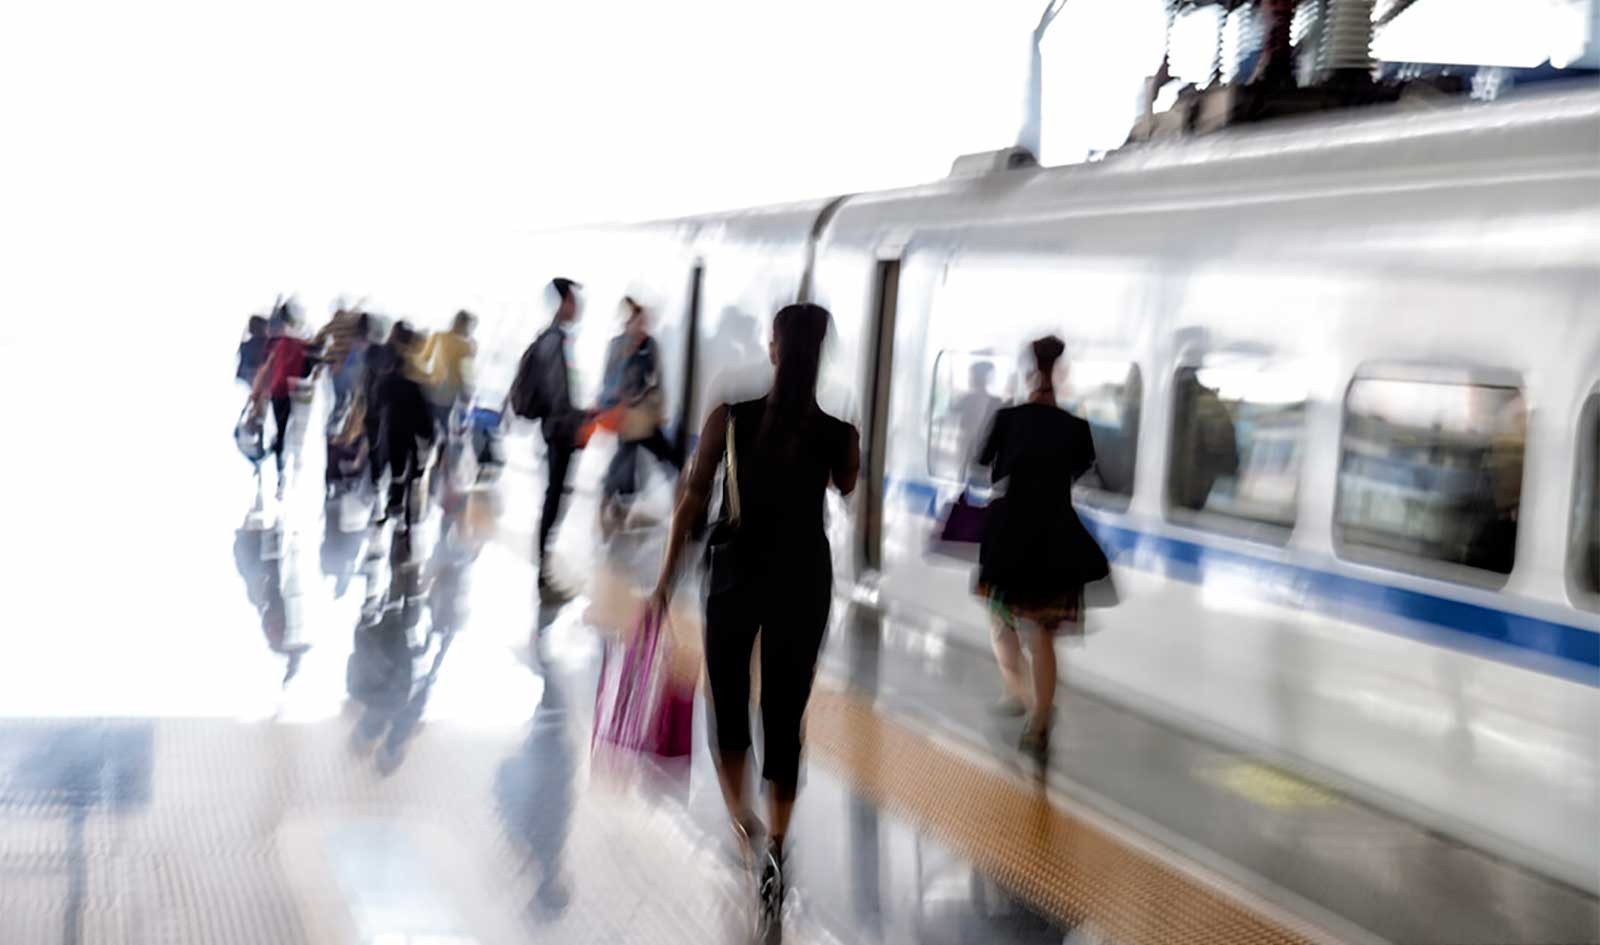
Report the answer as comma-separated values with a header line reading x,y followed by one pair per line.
x,y
789,611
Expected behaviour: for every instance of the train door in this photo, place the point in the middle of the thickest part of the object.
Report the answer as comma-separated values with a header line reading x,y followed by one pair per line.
x,y
741,286
874,446
683,423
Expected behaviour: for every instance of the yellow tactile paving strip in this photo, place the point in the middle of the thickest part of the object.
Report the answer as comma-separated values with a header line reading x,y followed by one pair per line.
x,y
1057,863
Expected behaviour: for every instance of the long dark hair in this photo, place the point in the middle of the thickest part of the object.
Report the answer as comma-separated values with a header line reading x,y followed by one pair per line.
x,y
799,331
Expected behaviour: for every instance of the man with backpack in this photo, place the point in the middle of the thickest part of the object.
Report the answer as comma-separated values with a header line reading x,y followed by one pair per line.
x,y
543,391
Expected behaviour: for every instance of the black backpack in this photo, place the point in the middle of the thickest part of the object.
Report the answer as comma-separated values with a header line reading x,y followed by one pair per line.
x,y
528,397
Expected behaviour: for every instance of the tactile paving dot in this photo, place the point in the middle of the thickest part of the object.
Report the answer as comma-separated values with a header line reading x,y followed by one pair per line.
x,y
1060,865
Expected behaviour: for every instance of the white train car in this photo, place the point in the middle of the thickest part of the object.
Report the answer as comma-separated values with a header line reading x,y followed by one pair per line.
x,y
1343,376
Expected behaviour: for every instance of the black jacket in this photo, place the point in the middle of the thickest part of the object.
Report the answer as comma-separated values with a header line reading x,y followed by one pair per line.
x,y
1035,547
405,412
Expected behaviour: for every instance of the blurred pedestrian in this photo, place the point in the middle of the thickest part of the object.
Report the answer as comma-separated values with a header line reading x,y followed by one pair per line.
x,y
771,573
252,350
974,410
405,418
1204,436
1036,554
380,359
543,391
339,345
285,365
447,358
345,350
633,388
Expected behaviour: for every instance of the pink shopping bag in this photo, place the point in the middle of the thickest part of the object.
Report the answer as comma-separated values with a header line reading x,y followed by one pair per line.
x,y
639,707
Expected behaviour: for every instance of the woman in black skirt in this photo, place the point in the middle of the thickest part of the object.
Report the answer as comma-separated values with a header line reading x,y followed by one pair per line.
x,y
1036,555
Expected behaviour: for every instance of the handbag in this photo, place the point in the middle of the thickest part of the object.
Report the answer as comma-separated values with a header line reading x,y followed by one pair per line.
x,y
724,572
961,529
247,435
639,707
641,418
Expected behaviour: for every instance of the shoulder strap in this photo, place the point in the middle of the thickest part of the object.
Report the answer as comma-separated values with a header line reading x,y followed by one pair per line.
x,y
731,458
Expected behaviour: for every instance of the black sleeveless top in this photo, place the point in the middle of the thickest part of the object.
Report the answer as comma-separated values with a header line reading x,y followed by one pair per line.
x,y
782,481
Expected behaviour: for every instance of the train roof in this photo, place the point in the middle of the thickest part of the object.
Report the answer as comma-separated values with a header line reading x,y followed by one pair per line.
x,y
1553,135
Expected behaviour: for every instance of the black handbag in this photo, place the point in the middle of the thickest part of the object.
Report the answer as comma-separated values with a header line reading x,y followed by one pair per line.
x,y
724,567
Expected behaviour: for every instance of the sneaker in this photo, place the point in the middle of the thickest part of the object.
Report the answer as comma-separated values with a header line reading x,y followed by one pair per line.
x,y
1036,742
391,754
769,914
748,830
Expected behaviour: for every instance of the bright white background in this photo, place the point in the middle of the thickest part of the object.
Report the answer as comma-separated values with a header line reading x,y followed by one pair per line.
x,y
168,166
220,152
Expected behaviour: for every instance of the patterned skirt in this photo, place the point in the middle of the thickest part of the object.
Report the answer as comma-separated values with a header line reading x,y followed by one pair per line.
x,y
1058,615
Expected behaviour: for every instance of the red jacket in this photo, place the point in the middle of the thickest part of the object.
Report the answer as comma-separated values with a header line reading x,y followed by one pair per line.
x,y
286,360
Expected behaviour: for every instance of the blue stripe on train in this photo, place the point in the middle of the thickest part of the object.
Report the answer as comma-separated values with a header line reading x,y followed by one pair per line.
x,y
1367,602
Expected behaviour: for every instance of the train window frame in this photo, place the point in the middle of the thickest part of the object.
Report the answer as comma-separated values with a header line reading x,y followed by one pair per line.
x,y
1401,562
1094,496
1216,520
1585,483
931,414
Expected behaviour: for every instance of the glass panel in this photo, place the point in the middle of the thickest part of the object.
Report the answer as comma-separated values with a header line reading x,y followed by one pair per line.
x,y
967,390
1109,395
1432,471
1236,443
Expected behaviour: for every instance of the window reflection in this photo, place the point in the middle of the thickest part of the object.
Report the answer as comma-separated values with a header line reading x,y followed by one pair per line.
x,y
1236,443
969,387
1109,395
967,390
1432,471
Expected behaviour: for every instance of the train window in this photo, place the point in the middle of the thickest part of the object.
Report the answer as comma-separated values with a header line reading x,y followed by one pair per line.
x,y
1236,443
1109,395
1429,472
1584,558
967,390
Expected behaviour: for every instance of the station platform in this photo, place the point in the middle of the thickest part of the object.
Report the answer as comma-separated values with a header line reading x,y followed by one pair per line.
x,y
183,760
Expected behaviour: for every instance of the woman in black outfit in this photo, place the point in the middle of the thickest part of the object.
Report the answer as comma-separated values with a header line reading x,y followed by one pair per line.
x,y
771,571
1036,555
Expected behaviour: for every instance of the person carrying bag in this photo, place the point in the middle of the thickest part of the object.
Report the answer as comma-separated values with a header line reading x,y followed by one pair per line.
x,y
1037,557
771,575
633,407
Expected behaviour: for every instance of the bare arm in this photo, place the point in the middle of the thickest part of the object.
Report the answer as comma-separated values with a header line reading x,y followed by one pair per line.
x,y
848,468
693,498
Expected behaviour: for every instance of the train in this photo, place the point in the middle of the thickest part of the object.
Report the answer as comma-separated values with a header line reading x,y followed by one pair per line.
x,y
1343,377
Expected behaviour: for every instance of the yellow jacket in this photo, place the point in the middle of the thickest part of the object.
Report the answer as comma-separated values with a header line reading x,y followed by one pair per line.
x,y
447,358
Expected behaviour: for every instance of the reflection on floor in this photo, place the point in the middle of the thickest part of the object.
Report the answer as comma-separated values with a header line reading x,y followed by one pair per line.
x,y
385,740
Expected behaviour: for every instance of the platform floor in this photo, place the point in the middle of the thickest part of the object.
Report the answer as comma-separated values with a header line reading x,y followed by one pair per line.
x,y
162,781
